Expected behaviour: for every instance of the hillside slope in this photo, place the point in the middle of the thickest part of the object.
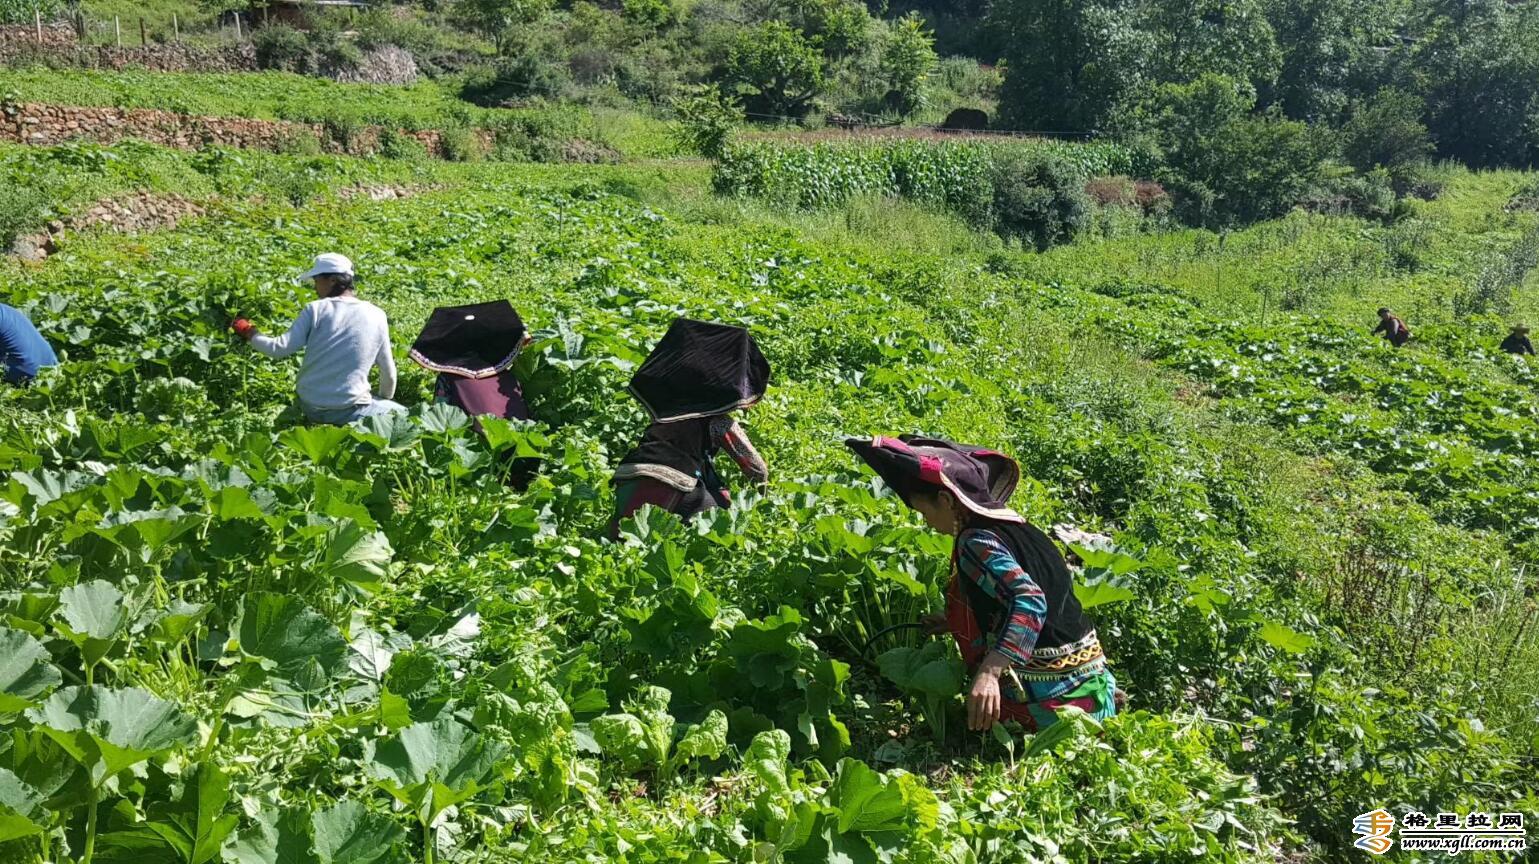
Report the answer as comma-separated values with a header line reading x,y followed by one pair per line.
x,y
350,615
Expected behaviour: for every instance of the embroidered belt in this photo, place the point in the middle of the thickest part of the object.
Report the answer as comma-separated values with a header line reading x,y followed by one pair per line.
x,y
1060,660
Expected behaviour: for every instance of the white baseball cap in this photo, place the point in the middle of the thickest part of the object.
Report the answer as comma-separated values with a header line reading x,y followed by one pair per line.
x,y
327,264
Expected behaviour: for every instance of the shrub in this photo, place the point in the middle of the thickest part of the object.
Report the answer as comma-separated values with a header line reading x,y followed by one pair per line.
x,y
281,47
22,11
459,144
1387,132
302,142
706,120
394,144
23,206
343,129
1038,200
651,14
1223,164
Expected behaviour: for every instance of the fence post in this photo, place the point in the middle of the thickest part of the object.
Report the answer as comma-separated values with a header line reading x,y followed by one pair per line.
x,y
144,40
117,31
37,17
176,29
237,27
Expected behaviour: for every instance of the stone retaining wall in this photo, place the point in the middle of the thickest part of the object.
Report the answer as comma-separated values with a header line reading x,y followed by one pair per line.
x,y
45,125
19,45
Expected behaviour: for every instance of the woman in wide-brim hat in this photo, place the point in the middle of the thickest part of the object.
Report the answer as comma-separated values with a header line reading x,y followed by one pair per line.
x,y
1010,606
1517,341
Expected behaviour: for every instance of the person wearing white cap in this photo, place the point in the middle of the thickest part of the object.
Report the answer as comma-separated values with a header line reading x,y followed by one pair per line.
x,y
342,337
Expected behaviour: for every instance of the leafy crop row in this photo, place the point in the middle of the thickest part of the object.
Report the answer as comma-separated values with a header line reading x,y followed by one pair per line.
x,y
232,638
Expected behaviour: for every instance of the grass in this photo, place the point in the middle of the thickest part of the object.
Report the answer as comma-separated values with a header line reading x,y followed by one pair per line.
x,y
1339,267
196,23
286,96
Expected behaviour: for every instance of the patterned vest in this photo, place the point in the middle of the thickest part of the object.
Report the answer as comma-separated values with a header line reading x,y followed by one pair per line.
x,y
1068,640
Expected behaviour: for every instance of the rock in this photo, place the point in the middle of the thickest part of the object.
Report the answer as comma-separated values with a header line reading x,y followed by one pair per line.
x,y
33,247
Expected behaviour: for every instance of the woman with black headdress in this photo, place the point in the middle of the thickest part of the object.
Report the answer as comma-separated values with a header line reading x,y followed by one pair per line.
x,y
691,382
472,348
1028,646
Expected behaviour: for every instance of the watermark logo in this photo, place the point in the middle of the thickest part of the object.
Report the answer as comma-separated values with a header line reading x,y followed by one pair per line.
x,y
1445,832
1375,828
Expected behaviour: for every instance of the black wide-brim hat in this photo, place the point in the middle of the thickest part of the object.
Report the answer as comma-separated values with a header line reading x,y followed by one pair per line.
x,y
982,480
474,341
700,369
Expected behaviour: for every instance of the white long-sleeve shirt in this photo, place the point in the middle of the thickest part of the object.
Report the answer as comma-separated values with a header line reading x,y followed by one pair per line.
x,y
342,338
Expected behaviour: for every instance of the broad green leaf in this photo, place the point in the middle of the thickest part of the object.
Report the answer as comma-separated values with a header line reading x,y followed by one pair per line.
x,y
1286,638
359,556
867,801
623,737
198,823
46,487
1109,559
234,502
288,635
1100,594
26,670
927,670
273,838
22,813
95,618
524,439
393,431
108,730
147,530
174,623
350,834
439,419
704,740
434,765
315,442
766,758
1072,723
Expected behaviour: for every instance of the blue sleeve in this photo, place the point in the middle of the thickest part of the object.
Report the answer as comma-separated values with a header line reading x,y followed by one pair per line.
x,y
990,565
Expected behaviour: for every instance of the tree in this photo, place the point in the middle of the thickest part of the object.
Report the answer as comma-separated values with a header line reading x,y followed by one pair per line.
x,y
1330,53
1224,165
839,28
495,18
1481,65
1071,64
652,14
1387,133
776,69
908,58
1194,37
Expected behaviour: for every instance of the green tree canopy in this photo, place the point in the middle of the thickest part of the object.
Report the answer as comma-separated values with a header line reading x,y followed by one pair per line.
x,y
776,69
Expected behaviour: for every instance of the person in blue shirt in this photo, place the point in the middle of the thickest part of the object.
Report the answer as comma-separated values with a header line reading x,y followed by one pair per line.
x,y
22,349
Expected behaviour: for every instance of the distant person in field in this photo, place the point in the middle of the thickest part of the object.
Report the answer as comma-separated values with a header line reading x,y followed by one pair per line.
x,y
690,384
22,349
342,337
1029,647
1517,341
1394,330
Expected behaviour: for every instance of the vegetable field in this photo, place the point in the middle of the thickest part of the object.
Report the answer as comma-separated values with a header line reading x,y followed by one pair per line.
x,y
228,637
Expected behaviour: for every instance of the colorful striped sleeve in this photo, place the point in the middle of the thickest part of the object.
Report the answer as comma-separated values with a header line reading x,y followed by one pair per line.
x,y
988,563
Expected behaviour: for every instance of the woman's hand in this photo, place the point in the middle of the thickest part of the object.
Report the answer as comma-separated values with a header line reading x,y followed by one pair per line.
x,y
935,623
983,700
